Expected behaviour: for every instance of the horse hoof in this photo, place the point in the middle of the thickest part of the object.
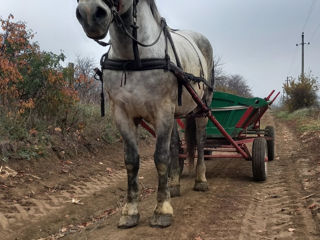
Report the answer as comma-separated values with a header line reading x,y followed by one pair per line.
x,y
174,191
201,186
128,221
161,221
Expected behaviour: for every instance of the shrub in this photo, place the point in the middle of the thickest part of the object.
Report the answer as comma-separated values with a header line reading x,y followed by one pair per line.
x,y
301,93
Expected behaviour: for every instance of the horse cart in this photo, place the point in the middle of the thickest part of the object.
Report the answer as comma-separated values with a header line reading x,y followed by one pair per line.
x,y
236,123
147,71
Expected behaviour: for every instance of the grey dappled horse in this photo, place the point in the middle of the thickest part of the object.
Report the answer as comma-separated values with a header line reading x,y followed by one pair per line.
x,y
151,95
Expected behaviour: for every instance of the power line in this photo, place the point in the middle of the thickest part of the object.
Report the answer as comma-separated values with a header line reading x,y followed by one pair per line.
x,y
309,14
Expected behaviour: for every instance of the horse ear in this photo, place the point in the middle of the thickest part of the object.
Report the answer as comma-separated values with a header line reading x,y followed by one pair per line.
x,y
117,4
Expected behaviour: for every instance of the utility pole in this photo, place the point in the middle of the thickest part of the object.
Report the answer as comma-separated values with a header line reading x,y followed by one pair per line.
x,y
302,45
285,95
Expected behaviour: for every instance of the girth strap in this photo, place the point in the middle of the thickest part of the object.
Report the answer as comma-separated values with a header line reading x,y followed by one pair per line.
x,y
152,64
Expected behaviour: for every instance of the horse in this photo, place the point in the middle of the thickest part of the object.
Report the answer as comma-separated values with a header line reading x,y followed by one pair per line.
x,y
136,92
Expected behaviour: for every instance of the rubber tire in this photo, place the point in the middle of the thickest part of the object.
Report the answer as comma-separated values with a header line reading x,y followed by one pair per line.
x,y
258,159
269,132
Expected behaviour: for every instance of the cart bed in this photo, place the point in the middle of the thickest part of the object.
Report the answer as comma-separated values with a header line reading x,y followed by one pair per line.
x,y
234,113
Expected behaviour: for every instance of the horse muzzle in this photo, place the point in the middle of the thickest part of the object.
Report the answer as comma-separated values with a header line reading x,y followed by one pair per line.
x,y
94,19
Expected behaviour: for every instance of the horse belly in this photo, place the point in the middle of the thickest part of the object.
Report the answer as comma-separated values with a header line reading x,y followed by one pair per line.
x,y
141,94
145,94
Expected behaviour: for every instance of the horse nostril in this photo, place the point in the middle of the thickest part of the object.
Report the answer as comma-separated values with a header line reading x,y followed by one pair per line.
x,y
100,13
79,17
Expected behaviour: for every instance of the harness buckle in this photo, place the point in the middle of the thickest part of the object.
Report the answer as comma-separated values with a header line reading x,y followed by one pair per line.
x,y
98,74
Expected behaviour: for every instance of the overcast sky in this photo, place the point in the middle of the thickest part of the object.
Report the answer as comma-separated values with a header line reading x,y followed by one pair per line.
x,y
256,39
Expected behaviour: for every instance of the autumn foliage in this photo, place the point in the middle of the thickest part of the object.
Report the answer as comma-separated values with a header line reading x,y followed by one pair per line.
x,y
33,83
46,106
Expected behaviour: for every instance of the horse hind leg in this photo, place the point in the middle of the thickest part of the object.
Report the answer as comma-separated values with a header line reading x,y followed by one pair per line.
x,y
190,136
163,212
201,183
130,214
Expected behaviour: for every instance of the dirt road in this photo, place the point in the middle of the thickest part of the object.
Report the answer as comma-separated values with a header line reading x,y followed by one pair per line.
x,y
85,205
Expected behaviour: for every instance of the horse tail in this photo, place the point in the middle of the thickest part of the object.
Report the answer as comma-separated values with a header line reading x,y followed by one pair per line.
x,y
190,136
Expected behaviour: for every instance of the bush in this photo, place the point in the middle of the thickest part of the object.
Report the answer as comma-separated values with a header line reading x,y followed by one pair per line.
x,y
301,93
33,84
36,91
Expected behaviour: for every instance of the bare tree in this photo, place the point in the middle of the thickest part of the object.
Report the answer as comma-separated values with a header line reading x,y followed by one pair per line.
x,y
85,83
234,84
238,85
219,76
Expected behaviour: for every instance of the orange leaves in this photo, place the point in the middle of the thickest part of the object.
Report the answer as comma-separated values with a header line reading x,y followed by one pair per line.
x,y
13,46
84,80
34,80
26,105
29,104
55,77
68,94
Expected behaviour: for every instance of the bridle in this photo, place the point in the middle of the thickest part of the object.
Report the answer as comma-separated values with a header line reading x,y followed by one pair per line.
x,y
132,33
113,4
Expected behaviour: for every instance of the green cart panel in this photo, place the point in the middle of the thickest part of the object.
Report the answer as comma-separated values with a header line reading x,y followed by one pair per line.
x,y
228,109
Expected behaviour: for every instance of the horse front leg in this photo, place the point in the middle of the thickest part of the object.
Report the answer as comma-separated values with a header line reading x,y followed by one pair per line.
x,y
130,214
175,168
163,212
201,183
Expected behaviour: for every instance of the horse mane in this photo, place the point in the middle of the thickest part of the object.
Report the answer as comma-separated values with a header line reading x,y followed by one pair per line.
x,y
154,10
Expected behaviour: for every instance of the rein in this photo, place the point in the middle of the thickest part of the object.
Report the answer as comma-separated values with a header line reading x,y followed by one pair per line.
x,y
139,64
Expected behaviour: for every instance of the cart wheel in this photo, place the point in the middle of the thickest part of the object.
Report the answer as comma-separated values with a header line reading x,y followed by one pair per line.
x,y
269,132
259,166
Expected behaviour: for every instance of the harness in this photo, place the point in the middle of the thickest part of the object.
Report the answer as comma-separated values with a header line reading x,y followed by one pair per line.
x,y
139,64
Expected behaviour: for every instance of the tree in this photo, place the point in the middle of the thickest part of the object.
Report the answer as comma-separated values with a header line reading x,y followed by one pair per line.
x,y
301,93
234,84
33,80
85,83
15,47
238,86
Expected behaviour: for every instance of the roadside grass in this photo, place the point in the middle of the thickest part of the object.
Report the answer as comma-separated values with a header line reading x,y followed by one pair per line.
x,y
22,140
79,131
306,119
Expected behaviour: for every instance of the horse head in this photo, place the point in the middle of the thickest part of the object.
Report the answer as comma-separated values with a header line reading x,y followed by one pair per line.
x,y
95,16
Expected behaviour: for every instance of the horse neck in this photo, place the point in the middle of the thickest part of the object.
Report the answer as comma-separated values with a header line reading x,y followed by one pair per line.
x,y
148,31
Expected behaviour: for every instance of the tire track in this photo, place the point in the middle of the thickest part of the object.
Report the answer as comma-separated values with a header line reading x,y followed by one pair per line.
x,y
32,210
279,210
